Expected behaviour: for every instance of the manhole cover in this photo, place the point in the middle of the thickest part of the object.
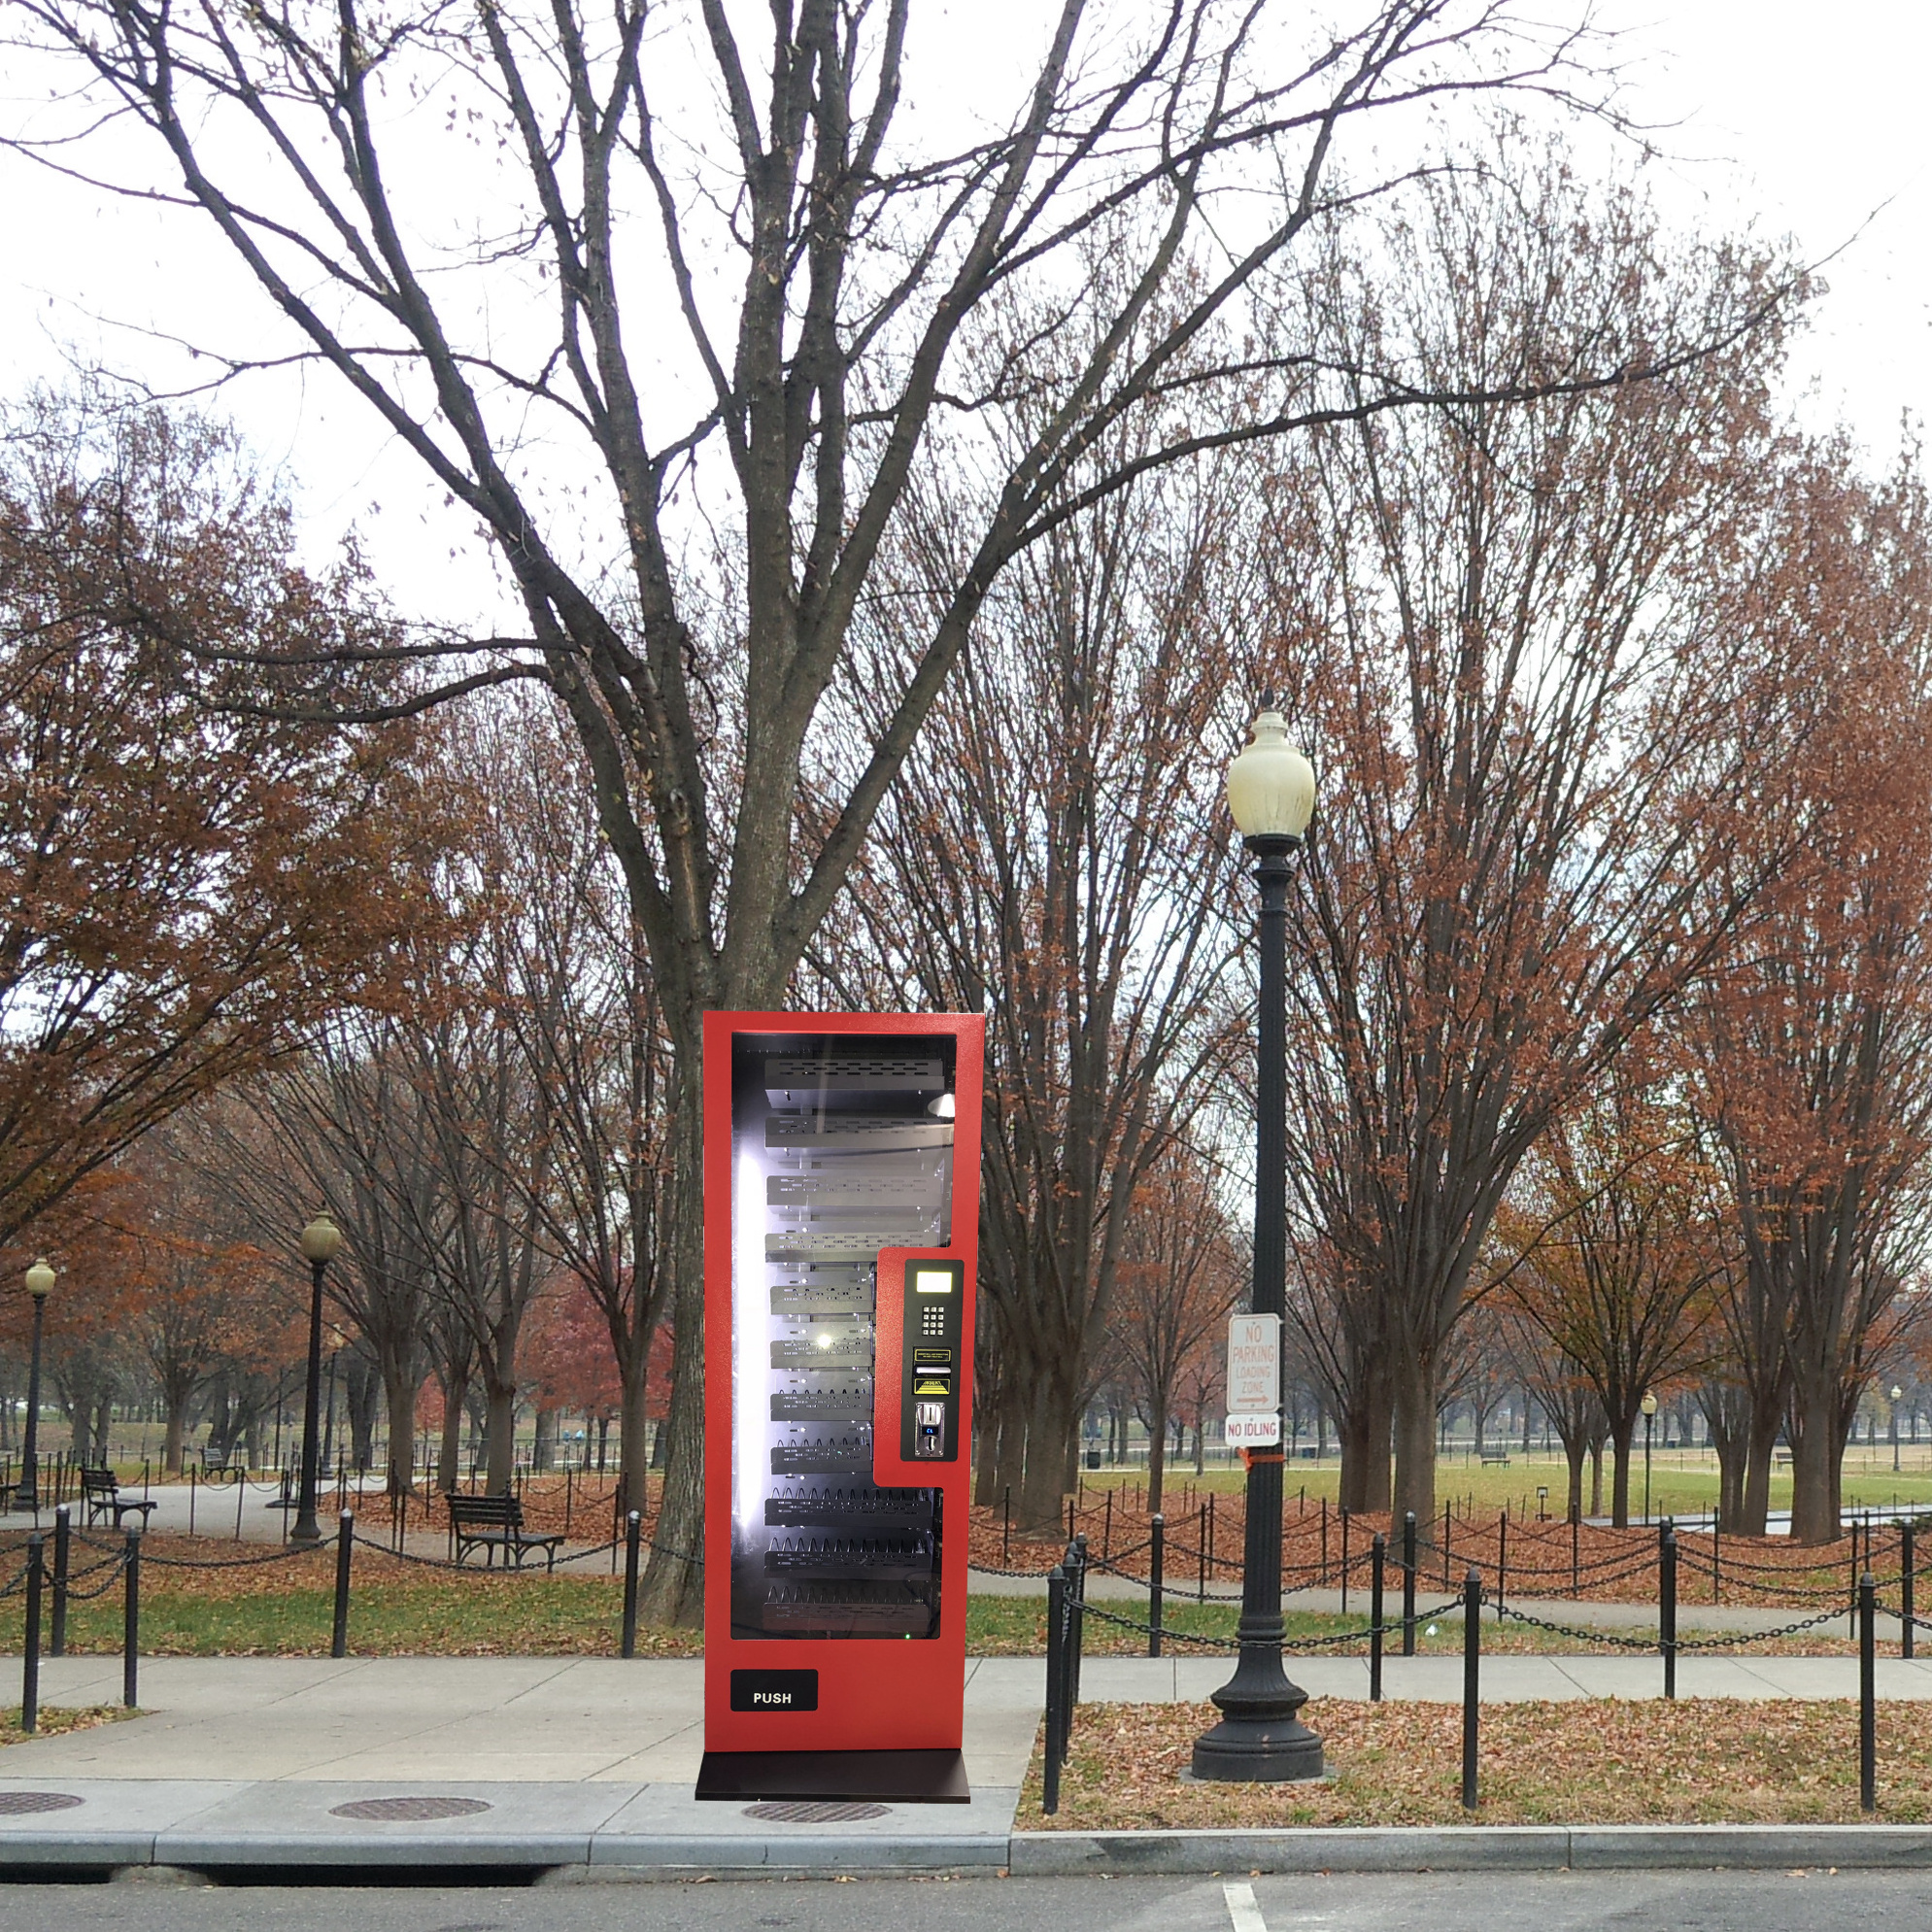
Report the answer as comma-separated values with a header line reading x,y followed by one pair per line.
x,y
13,1803
406,1809
808,1813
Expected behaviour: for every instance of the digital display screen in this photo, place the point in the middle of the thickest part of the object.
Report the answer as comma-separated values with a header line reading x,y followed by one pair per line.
x,y
932,1282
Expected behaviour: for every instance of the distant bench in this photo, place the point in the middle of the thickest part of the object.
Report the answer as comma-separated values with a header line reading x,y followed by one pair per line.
x,y
1498,1462
491,1523
101,1494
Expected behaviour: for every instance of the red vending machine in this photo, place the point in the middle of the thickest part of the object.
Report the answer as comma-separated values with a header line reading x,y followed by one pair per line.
x,y
841,1209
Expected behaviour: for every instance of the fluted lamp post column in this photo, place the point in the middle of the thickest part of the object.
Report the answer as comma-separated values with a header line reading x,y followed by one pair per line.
x,y
322,1239
1261,1737
1649,1408
40,1285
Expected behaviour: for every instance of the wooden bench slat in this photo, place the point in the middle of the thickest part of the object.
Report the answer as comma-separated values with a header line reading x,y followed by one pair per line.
x,y
496,1522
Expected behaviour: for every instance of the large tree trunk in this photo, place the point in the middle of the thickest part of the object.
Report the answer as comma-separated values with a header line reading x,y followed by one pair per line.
x,y
1413,1386
499,1432
1157,1455
399,1397
1053,1419
171,1441
1366,1424
450,1450
633,1428
1621,1431
672,1591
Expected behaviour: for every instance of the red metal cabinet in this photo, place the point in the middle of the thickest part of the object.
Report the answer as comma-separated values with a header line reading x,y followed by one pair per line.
x,y
841,1204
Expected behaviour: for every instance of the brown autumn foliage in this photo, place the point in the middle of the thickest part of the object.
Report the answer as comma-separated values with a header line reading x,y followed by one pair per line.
x,y
1606,1246
1499,629
1182,1269
183,889
864,247
1808,1048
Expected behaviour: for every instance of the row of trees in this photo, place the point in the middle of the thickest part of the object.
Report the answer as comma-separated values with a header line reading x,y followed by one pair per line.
x,y
993,486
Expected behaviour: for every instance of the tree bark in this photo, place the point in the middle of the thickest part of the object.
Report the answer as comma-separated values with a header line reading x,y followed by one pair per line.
x,y
1412,1380
1157,1456
672,1591
399,1397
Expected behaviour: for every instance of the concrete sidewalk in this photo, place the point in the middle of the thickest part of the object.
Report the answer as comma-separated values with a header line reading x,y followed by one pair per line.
x,y
554,1720
584,1767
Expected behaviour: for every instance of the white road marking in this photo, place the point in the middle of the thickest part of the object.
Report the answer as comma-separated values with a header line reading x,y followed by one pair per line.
x,y
1242,1911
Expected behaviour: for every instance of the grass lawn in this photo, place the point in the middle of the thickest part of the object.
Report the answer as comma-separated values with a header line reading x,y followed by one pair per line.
x,y
1697,1761
268,1613
1682,1481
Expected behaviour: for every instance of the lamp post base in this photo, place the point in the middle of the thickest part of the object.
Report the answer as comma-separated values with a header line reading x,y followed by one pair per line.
x,y
1261,1738
1259,1750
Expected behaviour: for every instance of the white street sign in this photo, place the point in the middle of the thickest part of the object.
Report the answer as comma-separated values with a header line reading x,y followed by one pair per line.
x,y
1254,1366
1253,1432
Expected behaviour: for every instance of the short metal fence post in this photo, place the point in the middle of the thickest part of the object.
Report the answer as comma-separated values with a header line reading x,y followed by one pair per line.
x,y
1201,1554
130,1622
1445,1545
1472,1672
1667,1605
1576,1549
1056,1688
1502,1557
1106,1531
1156,1565
63,1557
1345,1558
632,1534
1868,1728
1377,1556
345,1549
31,1647
1077,1615
1408,1584
1906,1576
1007,1526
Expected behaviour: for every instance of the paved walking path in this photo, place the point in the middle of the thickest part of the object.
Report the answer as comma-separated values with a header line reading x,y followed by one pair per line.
x,y
592,1719
585,1766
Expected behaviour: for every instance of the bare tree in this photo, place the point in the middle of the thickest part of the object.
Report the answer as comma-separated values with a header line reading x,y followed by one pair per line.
x,y
864,249
1527,707
1180,1273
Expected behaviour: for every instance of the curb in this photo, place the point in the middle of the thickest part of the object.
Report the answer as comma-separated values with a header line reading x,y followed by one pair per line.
x,y
573,1859
1469,1848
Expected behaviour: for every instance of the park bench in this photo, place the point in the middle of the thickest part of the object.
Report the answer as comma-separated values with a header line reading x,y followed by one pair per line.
x,y
214,1467
1498,1462
491,1523
101,1494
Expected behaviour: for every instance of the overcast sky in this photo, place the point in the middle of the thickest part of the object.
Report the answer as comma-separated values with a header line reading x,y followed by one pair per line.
x,y
1805,119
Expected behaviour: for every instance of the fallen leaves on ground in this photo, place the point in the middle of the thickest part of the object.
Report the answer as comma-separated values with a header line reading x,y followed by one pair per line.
x,y
1587,1761
52,1723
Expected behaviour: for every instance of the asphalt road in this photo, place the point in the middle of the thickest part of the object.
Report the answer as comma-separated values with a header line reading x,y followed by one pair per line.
x,y
1461,1902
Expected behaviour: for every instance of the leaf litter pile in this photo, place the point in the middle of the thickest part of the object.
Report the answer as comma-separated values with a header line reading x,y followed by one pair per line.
x,y
52,1723
1584,1761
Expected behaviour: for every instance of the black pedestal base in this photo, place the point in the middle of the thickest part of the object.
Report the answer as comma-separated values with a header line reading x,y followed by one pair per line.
x,y
905,1778
1259,1750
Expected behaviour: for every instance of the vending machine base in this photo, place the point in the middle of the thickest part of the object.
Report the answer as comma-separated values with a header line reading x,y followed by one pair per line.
x,y
907,1777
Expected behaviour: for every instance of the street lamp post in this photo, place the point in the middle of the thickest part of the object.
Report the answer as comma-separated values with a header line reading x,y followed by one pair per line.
x,y
1649,1408
1261,1737
321,1240
1898,1394
40,1285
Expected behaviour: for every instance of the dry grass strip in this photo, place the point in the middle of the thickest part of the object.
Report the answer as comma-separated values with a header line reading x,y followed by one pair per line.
x,y
1586,1761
